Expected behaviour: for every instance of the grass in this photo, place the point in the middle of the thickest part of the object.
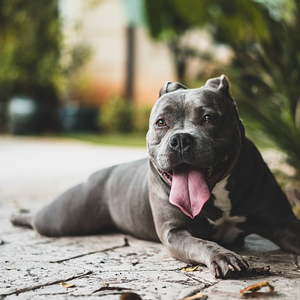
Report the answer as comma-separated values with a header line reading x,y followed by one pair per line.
x,y
115,139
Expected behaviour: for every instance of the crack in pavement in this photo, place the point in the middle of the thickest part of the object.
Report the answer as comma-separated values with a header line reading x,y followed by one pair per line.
x,y
201,280
126,244
38,286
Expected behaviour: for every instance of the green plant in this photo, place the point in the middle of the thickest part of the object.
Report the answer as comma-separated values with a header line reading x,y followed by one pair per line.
x,y
30,39
141,118
267,78
117,116
74,83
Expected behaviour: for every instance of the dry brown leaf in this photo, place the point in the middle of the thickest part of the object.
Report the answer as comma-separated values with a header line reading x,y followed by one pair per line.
x,y
198,296
256,287
190,268
66,285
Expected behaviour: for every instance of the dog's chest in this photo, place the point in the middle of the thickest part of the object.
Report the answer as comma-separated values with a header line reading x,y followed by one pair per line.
x,y
225,227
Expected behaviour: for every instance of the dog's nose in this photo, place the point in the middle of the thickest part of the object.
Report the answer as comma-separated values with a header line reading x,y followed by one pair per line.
x,y
181,142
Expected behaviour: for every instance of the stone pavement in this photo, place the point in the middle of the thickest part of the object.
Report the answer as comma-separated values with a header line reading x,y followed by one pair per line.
x,y
34,170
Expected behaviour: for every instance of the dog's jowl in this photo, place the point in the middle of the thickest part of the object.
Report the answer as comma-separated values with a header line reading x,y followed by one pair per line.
x,y
203,187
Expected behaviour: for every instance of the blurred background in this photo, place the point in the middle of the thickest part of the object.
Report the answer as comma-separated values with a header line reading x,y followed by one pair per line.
x,y
92,69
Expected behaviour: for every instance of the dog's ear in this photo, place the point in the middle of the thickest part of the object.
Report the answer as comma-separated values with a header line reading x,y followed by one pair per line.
x,y
171,87
221,83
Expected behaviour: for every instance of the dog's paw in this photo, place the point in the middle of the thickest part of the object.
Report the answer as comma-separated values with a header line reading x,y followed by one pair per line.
x,y
23,219
227,265
14,219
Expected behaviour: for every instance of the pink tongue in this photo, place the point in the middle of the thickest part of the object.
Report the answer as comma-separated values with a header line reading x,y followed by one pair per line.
x,y
189,190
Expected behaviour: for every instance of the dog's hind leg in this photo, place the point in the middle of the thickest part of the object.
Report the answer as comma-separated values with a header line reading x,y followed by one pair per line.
x,y
287,236
23,219
80,210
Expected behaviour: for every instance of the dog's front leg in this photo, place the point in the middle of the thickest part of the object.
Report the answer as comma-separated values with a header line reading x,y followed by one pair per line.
x,y
182,245
174,230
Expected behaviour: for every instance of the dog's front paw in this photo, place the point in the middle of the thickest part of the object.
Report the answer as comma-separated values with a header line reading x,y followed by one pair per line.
x,y
227,265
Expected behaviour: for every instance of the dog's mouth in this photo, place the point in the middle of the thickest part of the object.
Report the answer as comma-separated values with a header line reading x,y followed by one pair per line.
x,y
191,186
211,175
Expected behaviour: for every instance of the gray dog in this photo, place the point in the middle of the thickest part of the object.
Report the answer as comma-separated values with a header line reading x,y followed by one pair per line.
x,y
204,185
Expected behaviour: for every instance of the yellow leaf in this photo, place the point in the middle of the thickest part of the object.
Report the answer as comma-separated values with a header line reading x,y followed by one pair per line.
x,y
190,268
197,296
66,285
256,287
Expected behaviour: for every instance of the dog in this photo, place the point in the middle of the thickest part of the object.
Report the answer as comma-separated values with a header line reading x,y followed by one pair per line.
x,y
203,188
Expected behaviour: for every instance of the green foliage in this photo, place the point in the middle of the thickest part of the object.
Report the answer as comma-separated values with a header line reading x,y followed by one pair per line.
x,y
29,44
75,58
225,18
141,119
267,76
166,23
163,19
116,116
228,21
30,41
122,116
74,83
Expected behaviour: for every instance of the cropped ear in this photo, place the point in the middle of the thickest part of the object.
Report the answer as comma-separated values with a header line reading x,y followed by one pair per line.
x,y
221,83
171,87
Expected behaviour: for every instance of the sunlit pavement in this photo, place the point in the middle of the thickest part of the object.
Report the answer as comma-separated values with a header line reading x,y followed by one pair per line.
x,y
35,170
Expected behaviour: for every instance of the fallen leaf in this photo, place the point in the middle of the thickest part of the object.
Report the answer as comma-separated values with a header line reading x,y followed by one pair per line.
x,y
198,296
190,268
256,287
66,285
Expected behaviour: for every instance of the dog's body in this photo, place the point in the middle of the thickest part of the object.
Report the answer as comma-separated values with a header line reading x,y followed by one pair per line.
x,y
204,183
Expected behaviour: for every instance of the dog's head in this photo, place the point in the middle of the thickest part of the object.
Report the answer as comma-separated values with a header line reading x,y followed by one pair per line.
x,y
194,140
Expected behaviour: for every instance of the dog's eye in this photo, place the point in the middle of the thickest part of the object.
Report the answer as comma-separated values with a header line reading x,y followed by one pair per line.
x,y
208,118
161,122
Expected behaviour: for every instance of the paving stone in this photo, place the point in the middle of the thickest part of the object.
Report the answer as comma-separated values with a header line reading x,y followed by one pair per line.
x,y
23,276
30,246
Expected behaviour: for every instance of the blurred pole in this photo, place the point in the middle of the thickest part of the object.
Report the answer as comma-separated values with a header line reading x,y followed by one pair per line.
x,y
130,62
